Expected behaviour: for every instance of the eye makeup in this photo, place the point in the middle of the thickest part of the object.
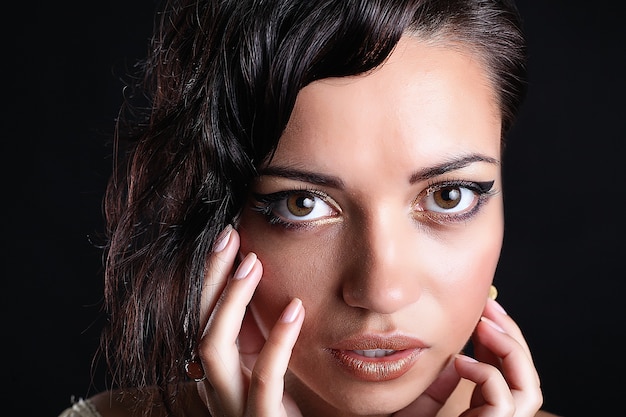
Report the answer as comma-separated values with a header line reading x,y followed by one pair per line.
x,y
452,201
440,203
297,208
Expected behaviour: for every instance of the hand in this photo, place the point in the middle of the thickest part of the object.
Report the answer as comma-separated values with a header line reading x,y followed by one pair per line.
x,y
244,372
506,381
433,399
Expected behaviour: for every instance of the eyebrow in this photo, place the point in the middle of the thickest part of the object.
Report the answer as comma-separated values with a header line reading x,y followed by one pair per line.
x,y
304,176
336,182
450,165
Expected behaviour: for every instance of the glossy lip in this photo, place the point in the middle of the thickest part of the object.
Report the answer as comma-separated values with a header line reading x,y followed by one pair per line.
x,y
377,369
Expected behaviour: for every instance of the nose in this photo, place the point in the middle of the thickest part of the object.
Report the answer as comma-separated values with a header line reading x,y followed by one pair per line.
x,y
384,274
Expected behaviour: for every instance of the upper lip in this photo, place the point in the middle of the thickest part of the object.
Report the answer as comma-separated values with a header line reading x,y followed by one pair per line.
x,y
369,341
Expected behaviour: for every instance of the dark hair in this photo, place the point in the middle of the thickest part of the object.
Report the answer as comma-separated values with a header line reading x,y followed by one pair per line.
x,y
220,83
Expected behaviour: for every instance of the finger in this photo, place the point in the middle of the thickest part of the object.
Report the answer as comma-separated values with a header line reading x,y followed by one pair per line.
x,y
433,399
494,311
250,341
218,346
219,266
267,381
492,397
516,366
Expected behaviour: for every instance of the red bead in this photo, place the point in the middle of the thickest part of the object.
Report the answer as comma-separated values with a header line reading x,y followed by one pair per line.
x,y
194,370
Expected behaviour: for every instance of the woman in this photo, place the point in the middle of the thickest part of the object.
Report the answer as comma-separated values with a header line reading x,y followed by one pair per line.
x,y
310,216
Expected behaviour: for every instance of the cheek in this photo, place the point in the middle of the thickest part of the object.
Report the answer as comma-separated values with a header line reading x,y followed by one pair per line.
x,y
291,268
457,271
470,273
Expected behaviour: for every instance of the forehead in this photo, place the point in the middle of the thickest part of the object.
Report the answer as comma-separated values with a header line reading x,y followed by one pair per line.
x,y
428,98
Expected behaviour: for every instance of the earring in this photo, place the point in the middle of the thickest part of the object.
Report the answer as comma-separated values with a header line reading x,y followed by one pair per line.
x,y
194,370
493,292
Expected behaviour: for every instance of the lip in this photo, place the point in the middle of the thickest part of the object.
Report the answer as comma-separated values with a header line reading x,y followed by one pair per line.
x,y
388,356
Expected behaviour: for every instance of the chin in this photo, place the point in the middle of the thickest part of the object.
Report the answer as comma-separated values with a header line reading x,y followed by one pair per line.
x,y
366,399
375,406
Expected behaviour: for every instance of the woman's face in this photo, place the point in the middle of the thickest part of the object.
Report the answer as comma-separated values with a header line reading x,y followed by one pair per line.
x,y
382,211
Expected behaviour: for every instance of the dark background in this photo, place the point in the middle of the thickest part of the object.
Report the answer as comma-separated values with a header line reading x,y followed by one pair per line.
x,y
562,271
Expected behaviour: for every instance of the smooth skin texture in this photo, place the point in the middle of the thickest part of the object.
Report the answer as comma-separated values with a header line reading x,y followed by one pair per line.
x,y
360,248
373,257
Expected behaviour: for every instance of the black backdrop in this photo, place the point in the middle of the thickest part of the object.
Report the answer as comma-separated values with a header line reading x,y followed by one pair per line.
x,y
561,276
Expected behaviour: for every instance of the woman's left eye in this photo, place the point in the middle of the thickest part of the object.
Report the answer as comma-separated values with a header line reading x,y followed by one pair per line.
x,y
293,207
452,199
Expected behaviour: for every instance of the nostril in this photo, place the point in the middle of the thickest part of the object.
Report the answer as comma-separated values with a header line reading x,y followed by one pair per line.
x,y
384,296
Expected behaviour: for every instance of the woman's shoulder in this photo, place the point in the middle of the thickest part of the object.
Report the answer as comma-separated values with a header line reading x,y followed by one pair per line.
x,y
116,403
105,404
81,408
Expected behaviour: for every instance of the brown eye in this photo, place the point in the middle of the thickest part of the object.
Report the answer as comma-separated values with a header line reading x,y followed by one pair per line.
x,y
448,197
451,199
297,208
300,204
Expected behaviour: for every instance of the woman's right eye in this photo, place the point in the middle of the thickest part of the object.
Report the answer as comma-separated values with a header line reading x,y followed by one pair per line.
x,y
297,207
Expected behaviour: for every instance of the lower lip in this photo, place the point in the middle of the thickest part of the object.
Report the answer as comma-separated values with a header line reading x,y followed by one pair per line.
x,y
376,369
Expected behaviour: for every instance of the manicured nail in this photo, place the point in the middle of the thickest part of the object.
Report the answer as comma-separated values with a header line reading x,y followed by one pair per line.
x,y
222,239
498,306
492,324
246,266
291,311
466,358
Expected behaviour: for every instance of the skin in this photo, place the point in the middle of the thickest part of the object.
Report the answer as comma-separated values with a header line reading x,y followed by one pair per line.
x,y
380,268
374,258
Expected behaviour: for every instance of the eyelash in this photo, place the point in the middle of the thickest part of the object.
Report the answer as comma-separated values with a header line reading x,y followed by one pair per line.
x,y
265,204
482,191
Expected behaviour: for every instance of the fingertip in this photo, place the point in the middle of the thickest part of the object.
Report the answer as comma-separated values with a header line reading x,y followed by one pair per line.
x,y
222,239
492,324
220,259
471,369
465,358
496,306
246,266
465,365
292,311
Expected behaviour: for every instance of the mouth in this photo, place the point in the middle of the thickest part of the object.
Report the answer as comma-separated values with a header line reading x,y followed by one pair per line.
x,y
374,358
375,353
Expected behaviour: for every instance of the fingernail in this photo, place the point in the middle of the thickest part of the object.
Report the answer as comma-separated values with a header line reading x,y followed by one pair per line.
x,y
222,239
498,306
291,311
466,358
246,266
492,324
